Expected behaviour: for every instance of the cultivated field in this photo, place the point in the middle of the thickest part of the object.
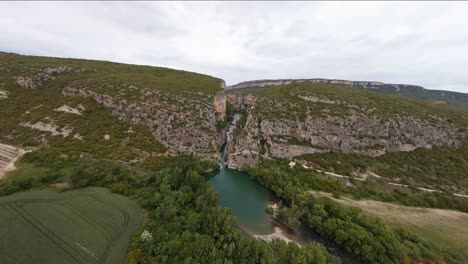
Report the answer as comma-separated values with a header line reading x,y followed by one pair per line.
x,y
8,156
90,225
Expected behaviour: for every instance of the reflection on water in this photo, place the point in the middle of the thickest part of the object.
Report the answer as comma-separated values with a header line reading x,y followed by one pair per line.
x,y
245,197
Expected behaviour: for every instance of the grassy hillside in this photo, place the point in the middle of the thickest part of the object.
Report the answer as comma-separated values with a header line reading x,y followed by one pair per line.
x,y
290,101
447,98
97,74
450,99
90,225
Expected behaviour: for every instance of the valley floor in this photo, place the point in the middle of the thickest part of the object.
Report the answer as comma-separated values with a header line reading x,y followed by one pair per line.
x,y
446,228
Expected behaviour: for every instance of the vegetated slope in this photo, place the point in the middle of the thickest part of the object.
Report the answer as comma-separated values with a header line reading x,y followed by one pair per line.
x,y
364,236
50,99
90,225
411,91
288,121
442,167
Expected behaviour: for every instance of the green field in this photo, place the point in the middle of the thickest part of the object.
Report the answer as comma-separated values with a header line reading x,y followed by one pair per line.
x,y
90,225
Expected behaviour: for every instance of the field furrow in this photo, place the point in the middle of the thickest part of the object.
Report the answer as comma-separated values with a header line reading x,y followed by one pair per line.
x,y
90,225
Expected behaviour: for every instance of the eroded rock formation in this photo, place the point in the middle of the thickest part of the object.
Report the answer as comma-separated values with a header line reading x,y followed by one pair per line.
x,y
271,137
183,125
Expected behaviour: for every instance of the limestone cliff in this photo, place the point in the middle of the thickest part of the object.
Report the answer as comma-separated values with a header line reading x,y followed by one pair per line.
x,y
183,125
219,104
289,126
241,101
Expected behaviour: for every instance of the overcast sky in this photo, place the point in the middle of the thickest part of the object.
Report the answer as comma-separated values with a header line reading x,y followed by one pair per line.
x,y
396,42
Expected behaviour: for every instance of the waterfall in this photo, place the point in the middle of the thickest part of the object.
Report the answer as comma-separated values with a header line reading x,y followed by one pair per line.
x,y
223,155
224,148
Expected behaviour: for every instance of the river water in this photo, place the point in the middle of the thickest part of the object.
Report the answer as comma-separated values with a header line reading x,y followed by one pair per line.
x,y
248,199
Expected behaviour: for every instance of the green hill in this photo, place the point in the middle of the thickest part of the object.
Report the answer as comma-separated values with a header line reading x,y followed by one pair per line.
x,y
104,109
448,98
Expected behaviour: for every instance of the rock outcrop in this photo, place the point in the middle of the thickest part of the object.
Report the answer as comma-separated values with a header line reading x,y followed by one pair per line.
x,y
49,126
40,76
219,104
182,124
241,101
3,94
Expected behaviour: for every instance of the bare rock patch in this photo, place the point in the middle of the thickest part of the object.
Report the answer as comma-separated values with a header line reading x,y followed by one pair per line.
x,y
68,109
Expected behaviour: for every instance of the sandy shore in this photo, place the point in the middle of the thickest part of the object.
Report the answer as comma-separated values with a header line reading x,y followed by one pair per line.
x,y
277,234
278,231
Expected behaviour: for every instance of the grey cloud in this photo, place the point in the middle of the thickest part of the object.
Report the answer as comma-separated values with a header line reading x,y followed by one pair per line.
x,y
397,42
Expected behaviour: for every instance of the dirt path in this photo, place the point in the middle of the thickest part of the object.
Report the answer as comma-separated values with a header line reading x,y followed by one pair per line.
x,y
390,183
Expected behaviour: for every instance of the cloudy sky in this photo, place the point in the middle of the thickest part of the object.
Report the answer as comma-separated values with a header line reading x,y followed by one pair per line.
x,y
395,42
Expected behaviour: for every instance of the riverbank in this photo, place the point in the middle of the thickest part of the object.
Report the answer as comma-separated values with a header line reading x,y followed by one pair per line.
x,y
277,234
279,231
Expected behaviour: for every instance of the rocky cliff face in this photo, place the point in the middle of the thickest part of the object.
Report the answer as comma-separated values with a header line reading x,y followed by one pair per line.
x,y
183,125
219,105
264,83
240,101
39,76
267,136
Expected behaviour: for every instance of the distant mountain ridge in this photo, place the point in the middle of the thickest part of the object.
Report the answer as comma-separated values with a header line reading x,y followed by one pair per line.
x,y
411,91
